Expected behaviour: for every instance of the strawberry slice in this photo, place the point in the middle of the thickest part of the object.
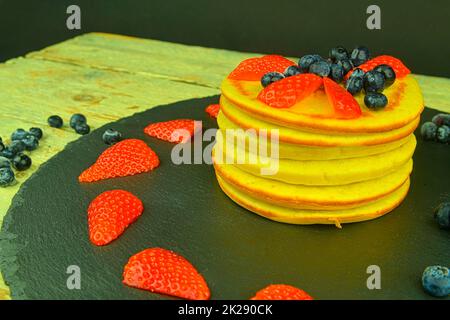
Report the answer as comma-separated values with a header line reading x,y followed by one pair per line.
x,y
163,271
110,213
255,68
399,68
281,292
213,110
288,91
345,106
178,131
125,158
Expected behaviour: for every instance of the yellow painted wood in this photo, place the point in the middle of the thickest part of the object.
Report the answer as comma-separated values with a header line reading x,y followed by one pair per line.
x,y
107,77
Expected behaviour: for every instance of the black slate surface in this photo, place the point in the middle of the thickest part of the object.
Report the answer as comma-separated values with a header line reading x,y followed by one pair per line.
x,y
238,252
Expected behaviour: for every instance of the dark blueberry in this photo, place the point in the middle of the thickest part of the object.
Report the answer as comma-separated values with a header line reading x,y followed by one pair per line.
x,y
7,177
436,281
82,128
321,68
31,143
292,71
2,146
306,61
17,146
55,121
7,153
338,53
373,81
388,73
111,136
346,64
37,132
336,72
21,162
77,119
271,77
354,85
375,100
441,119
443,134
357,72
442,215
428,131
359,55
19,134
5,163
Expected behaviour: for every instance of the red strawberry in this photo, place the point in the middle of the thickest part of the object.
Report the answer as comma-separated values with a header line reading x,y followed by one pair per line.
x,y
213,110
399,68
163,271
255,68
110,214
178,131
345,106
281,292
125,158
288,91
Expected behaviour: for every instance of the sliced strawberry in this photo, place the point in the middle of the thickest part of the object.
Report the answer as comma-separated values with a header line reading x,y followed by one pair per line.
x,y
399,68
345,106
163,271
213,110
288,91
125,158
255,68
110,214
281,292
178,131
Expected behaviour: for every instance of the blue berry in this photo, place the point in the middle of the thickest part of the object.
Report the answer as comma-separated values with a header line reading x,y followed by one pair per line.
x,y
111,136
5,163
55,121
2,146
7,177
19,134
306,61
373,81
428,131
82,128
441,119
7,153
37,132
77,119
442,215
17,146
436,281
359,55
354,84
443,134
338,53
388,73
292,71
336,72
375,100
346,64
321,68
31,143
271,77
21,162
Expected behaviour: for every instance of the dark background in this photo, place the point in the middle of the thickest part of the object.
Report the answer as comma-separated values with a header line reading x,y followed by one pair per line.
x,y
416,31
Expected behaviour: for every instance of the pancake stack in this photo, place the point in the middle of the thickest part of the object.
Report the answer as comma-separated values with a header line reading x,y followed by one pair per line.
x,y
330,170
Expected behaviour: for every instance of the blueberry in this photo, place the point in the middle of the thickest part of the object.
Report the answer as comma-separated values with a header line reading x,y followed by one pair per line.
x,y
359,55
388,73
17,146
357,72
292,71
21,162
443,134
346,64
77,118
82,128
7,153
7,177
55,121
338,53
271,77
441,119
428,131
354,84
373,81
442,215
375,100
306,61
111,136
19,134
31,143
2,146
321,68
37,132
436,281
5,163
336,72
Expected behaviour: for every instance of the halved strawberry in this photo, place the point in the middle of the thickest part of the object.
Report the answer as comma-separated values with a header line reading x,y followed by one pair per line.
x,y
281,292
399,68
125,158
163,271
288,91
255,68
345,106
178,131
110,214
213,110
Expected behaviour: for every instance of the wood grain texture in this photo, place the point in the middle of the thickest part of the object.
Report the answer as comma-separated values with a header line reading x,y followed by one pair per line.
x,y
107,77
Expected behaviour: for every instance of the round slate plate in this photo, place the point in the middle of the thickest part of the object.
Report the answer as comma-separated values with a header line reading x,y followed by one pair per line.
x,y
237,252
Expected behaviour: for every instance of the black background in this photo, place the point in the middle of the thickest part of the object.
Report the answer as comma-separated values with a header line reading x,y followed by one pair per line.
x,y
416,31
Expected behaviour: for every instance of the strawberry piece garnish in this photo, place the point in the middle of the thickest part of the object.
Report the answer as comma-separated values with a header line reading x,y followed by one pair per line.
x,y
110,214
255,68
125,158
213,110
399,68
286,92
163,271
281,292
178,131
345,106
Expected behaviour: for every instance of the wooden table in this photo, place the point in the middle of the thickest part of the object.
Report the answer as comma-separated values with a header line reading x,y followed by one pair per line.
x,y
107,77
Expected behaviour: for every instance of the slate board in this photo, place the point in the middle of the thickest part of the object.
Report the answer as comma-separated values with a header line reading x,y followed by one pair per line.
x,y
237,252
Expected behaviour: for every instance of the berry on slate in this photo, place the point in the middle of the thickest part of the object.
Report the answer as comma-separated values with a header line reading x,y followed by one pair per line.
x,y
110,213
346,65
373,81
111,136
441,119
428,131
359,55
82,128
77,118
21,162
336,72
442,215
5,163
213,110
163,271
436,281
55,121
375,100
17,146
338,53
321,68
255,68
19,134
443,134
37,132
281,292
31,142
271,77
292,71
306,61
388,73
7,177
177,131
345,106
